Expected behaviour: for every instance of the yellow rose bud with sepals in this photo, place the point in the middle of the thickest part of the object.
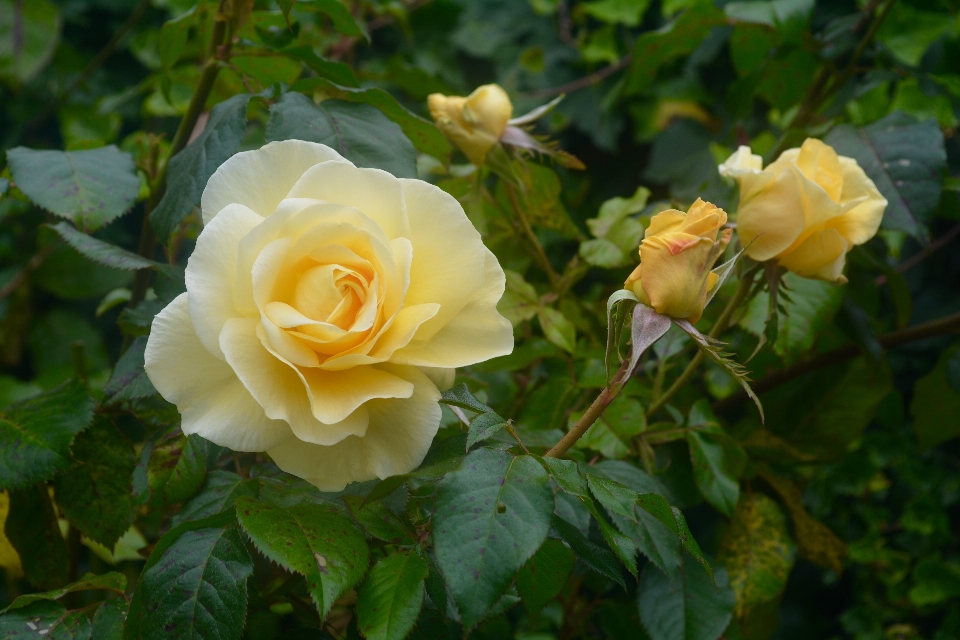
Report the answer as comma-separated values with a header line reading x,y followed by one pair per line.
x,y
806,210
474,123
676,257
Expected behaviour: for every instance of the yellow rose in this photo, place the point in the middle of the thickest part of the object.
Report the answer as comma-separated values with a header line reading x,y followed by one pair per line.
x,y
806,210
676,255
322,303
474,123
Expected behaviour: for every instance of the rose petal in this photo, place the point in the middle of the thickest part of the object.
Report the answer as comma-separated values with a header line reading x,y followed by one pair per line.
x,y
821,255
210,397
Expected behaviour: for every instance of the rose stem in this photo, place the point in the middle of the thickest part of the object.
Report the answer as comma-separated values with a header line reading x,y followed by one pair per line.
x,y
538,251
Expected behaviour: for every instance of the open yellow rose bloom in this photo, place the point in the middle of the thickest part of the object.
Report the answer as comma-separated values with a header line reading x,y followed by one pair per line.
x,y
676,257
324,305
474,123
806,210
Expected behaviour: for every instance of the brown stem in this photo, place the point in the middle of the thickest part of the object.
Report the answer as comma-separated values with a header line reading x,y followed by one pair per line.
x,y
839,355
583,82
602,401
743,290
538,252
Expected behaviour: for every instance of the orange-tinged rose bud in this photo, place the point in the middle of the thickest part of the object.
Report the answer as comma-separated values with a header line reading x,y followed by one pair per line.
x,y
474,123
806,210
676,257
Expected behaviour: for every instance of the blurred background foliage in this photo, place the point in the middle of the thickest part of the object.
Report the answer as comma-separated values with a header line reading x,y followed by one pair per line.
x,y
658,92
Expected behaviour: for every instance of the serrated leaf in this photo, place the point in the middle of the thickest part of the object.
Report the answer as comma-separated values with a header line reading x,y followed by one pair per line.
x,y
378,521
173,38
194,586
318,542
567,475
90,187
220,490
95,493
686,605
32,529
101,252
484,426
597,558
390,599
177,469
109,619
129,381
35,434
905,159
544,575
492,514
189,170
614,497
422,133
459,396
757,552
359,132
113,581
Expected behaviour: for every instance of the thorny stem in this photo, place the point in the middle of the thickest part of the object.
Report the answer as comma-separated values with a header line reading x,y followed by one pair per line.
x,y
602,401
538,252
948,324
219,51
743,290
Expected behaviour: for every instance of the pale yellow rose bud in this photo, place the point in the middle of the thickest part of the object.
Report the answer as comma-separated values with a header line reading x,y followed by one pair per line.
x,y
676,257
474,123
806,210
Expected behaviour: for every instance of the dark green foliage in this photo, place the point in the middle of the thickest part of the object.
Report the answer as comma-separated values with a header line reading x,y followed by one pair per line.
x,y
389,600
492,514
177,469
32,529
544,575
95,494
35,434
129,381
686,605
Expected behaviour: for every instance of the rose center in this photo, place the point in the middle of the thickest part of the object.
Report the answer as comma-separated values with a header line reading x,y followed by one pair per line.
x,y
331,293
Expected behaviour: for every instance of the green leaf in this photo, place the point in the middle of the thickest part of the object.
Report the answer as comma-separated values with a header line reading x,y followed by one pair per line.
x,y
628,12
219,491
45,619
567,475
101,252
684,606
677,38
545,575
484,426
390,599
318,542
377,520
615,210
189,170
520,300
422,133
90,187
39,23
596,557
95,494
459,396
557,328
492,515
339,72
757,552
343,20
905,159
194,586
173,38
35,434
717,463
600,252
359,132
615,498
129,381
177,469
32,529
908,31
619,304
936,404
113,581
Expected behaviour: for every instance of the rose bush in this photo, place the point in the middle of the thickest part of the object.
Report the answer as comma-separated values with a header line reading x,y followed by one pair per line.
x,y
806,210
324,305
676,255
